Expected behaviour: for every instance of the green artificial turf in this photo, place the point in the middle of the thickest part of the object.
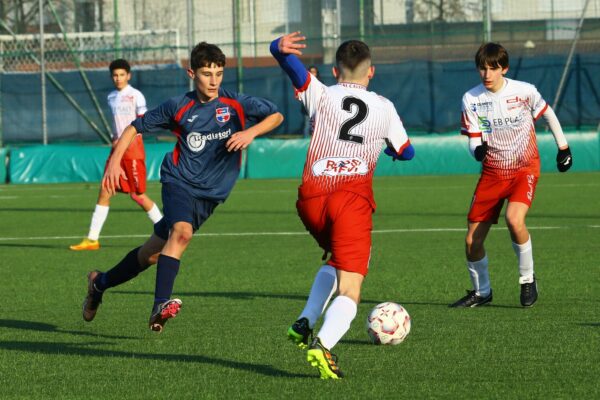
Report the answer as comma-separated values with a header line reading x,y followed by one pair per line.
x,y
246,275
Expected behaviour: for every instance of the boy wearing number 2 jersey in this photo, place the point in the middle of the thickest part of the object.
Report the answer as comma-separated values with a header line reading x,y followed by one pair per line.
x,y
335,199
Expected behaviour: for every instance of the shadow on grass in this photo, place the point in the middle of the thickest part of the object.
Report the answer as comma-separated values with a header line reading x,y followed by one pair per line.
x,y
592,324
44,327
359,342
35,246
83,349
61,246
255,295
67,210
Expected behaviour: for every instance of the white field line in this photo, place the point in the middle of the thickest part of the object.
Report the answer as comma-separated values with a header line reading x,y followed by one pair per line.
x,y
297,233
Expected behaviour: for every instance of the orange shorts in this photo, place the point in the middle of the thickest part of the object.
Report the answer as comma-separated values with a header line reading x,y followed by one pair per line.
x,y
490,194
135,168
341,223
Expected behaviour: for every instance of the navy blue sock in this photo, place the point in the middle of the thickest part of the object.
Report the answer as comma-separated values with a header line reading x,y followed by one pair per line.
x,y
166,272
128,268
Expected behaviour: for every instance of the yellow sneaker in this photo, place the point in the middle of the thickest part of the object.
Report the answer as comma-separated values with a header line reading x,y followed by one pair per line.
x,y
86,244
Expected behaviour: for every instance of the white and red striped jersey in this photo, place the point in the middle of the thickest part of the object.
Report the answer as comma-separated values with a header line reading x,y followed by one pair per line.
x,y
506,121
126,105
351,126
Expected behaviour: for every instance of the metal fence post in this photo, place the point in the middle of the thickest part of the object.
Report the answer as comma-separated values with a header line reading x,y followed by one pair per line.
x,y
487,21
237,26
190,34
117,28
43,75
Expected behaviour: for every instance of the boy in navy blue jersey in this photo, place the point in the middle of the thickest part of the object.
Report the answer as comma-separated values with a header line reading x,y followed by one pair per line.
x,y
210,126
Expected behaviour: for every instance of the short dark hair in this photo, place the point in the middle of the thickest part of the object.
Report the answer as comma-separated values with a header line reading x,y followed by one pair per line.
x,y
119,63
492,54
205,54
351,53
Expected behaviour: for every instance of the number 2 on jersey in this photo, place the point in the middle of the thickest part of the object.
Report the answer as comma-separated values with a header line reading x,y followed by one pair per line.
x,y
357,118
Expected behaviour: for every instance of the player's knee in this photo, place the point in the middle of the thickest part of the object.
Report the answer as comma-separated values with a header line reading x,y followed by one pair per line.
x,y
515,223
182,236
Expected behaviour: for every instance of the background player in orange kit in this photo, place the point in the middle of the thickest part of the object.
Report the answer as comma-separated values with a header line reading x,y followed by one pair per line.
x,y
498,116
335,200
126,104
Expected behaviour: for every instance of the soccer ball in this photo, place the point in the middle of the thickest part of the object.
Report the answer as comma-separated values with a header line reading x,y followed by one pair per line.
x,y
388,323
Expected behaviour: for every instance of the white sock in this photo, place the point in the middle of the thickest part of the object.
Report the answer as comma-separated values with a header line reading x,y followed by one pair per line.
x,y
480,276
154,214
323,287
337,321
98,218
524,253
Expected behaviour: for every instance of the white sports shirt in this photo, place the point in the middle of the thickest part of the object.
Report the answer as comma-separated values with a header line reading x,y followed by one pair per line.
x,y
126,105
506,121
351,126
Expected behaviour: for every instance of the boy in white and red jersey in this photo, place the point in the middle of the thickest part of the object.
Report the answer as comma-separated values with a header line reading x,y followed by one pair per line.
x,y
126,104
499,118
335,200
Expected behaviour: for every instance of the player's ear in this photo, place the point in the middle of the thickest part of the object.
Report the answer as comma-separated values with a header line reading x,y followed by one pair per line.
x,y
371,72
504,71
335,71
190,73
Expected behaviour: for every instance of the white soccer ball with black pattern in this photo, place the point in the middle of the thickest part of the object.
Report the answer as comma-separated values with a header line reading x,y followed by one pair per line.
x,y
388,323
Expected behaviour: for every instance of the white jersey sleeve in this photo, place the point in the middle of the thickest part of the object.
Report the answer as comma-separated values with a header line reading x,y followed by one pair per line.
x,y
469,123
140,104
397,136
311,94
537,103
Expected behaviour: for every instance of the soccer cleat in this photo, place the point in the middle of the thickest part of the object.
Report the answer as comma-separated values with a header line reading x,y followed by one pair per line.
x,y
86,244
472,300
322,359
299,333
93,299
162,313
529,293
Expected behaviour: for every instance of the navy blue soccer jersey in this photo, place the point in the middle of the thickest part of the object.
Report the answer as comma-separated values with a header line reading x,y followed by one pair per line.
x,y
200,161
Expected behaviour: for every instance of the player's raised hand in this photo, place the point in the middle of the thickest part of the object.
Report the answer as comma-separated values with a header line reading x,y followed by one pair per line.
x,y
112,176
289,44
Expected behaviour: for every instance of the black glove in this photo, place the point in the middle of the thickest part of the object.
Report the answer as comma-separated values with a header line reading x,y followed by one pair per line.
x,y
564,160
481,151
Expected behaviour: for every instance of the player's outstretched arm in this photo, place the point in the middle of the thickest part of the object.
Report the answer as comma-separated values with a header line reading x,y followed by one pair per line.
x,y
242,139
114,172
284,50
564,159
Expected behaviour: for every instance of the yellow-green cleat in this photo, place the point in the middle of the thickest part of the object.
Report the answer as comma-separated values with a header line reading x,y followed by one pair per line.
x,y
299,333
322,359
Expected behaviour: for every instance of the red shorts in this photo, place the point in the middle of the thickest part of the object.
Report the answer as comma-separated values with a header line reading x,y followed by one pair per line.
x,y
490,194
341,223
135,168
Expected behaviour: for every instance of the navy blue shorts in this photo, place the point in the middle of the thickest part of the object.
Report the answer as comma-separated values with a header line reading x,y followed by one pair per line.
x,y
180,206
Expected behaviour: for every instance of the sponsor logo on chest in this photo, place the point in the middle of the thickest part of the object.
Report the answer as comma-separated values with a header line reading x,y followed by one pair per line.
x,y
483,106
197,141
340,166
516,102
